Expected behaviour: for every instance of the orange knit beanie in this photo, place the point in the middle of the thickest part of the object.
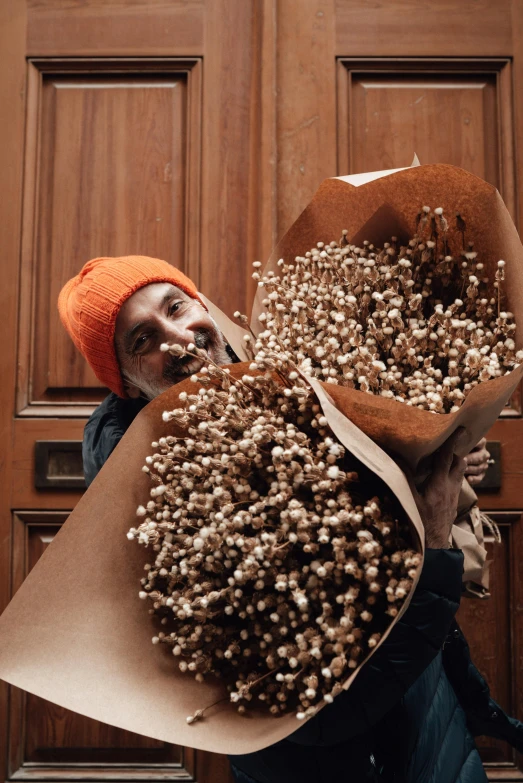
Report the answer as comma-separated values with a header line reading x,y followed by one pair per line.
x,y
89,305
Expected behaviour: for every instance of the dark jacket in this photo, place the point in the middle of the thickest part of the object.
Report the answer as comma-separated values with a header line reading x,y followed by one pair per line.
x,y
105,429
410,715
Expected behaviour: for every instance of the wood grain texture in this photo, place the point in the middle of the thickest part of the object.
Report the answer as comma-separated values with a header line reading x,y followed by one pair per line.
x,y
22,493
306,104
46,739
486,624
494,634
410,28
97,198
12,99
516,95
213,768
265,156
447,111
229,180
509,433
448,119
97,28
515,491
51,734
273,113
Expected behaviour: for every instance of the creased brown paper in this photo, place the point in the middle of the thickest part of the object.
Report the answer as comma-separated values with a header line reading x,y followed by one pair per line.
x,y
376,206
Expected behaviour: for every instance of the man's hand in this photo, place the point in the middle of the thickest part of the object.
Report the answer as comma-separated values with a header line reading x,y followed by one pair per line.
x,y
437,498
477,463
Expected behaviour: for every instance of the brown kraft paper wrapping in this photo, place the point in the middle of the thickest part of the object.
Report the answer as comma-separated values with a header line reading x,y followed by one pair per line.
x,y
467,533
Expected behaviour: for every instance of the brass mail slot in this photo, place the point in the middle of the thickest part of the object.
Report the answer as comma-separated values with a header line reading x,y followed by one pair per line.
x,y
58,464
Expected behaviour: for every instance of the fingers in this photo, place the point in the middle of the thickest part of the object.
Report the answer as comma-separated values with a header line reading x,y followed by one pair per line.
x,y
475,470
479,446
480,457
475,480
477,464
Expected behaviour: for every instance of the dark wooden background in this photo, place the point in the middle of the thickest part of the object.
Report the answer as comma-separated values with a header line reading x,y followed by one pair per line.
x,y
196,131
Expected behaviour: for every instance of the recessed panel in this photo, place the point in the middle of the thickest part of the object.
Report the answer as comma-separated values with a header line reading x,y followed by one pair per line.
x,y
111,182
444,118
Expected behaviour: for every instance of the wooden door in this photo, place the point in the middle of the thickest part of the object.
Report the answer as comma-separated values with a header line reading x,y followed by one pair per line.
x,y
197,130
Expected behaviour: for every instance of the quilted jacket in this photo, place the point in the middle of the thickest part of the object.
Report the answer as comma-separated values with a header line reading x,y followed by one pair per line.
x,y
411,714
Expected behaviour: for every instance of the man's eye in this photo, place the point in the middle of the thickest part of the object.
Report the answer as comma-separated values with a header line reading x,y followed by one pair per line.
x,y
174,307
140,342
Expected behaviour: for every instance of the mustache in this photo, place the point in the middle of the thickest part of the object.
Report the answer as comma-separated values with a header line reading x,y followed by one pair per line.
x,y
176,366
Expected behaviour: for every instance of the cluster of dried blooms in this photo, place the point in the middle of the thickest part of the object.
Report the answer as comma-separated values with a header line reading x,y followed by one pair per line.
x,y
416,324
276,566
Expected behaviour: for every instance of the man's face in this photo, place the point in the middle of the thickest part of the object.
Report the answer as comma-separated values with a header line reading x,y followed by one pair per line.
x,y
162,313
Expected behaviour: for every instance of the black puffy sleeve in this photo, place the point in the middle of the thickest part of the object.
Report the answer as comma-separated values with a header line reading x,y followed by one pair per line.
x,y
104,430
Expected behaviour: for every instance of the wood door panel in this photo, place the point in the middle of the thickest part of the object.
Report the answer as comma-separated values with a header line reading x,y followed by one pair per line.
x,y
446,119
494,633
47,742
434,27
156,27
454,111
97,198
23,493
110,175
289,98
54,735
508,431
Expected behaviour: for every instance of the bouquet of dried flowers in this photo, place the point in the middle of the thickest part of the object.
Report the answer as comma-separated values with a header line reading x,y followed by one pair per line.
x,y
433,329
279,559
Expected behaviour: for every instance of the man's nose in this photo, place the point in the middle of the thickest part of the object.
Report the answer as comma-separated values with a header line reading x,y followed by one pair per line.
x,y
177,333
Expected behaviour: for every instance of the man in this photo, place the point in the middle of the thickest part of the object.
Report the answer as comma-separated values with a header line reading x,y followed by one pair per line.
x,y
118,313
401,719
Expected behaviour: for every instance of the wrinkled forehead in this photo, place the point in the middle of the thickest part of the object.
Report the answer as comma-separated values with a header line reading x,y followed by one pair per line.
x,y
145,302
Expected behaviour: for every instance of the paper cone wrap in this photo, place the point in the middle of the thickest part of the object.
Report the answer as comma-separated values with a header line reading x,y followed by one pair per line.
x,y
376,206
384,204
